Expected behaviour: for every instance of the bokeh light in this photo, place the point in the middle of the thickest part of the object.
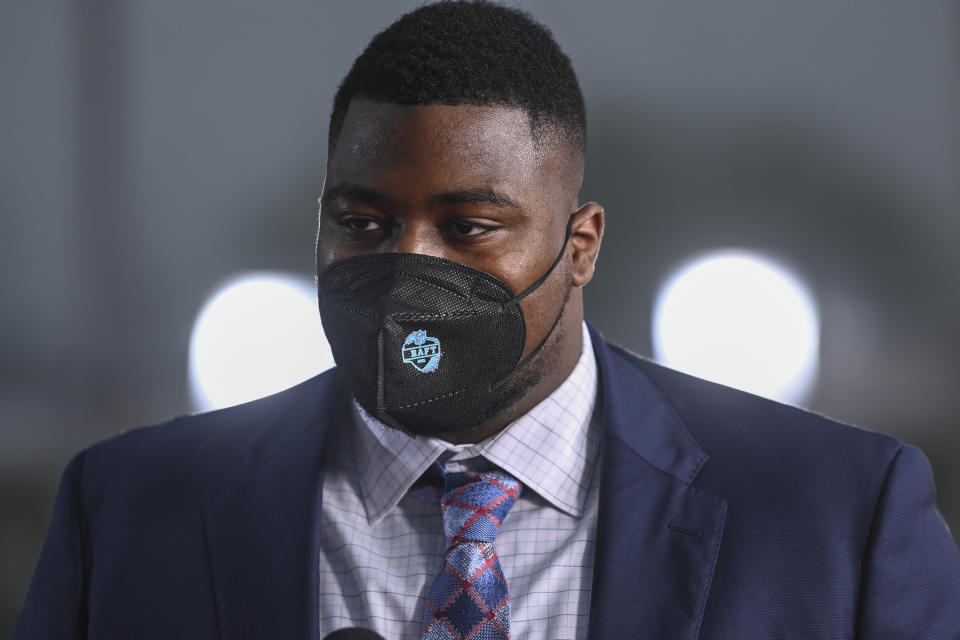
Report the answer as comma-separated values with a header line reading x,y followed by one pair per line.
x,y
258,334
742,320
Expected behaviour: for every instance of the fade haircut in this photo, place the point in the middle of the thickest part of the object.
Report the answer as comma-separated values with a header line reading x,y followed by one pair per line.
x,y
470,52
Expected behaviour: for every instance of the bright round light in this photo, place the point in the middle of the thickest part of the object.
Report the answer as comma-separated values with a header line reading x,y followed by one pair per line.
x,y
741,320
258,334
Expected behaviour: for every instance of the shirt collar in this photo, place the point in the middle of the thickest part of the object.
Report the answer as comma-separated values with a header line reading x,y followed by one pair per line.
x,y
551,449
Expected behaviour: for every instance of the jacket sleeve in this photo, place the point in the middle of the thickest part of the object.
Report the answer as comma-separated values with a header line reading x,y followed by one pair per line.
x,y
55,607
911,571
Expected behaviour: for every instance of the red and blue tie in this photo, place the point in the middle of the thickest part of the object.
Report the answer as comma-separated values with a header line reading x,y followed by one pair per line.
x,y
469,599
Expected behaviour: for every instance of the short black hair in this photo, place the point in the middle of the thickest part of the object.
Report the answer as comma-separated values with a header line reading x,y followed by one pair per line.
x,y
469,52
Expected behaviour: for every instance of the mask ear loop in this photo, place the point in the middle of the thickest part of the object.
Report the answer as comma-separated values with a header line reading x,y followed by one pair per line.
x,y
515,300
520,296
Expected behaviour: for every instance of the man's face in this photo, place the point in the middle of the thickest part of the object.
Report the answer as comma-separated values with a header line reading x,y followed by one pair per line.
x,y
466,183
469,184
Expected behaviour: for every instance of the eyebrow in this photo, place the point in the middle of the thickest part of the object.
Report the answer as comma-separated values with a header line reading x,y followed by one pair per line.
x,y
352,191
481,195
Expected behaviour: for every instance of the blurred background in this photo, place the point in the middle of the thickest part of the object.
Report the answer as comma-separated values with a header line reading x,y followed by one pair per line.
x,y
154,151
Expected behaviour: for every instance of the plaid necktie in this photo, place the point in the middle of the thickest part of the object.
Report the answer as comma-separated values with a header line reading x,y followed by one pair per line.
x,y
469,599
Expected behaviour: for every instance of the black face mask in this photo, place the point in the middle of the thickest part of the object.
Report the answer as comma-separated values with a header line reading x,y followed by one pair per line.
x,y
426,344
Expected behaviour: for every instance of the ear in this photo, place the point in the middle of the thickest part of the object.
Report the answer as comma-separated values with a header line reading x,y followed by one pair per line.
x,y
585,236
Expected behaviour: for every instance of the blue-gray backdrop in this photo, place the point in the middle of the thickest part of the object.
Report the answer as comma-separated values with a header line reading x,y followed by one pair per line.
x,y
151,149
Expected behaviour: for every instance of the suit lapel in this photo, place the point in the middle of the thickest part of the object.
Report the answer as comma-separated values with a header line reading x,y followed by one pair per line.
x,y
658,537
262,526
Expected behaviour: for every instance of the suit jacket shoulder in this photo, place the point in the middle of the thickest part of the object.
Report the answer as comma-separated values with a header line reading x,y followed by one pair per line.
x,y
749,438
823,529
161,532
188,453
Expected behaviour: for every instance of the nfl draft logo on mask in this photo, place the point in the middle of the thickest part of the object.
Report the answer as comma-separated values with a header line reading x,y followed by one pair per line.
x,y
422,351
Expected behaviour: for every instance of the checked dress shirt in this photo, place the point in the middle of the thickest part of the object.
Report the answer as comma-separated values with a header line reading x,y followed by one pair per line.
x,y
382,547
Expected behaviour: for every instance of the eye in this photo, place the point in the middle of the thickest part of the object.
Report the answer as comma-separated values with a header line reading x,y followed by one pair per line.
x,y
466,228
360,224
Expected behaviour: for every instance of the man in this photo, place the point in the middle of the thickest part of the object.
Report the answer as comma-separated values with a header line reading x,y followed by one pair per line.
x,y
479,464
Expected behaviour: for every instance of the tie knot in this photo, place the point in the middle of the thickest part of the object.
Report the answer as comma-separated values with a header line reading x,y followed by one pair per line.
x,y
474,504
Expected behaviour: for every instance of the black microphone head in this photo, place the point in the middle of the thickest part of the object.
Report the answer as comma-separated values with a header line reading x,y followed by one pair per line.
x,y
353,633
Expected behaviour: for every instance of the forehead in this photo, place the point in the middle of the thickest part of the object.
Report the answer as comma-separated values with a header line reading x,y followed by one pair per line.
x,y
443,146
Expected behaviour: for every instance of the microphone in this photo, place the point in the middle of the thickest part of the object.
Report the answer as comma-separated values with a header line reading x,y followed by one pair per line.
x,y
353,633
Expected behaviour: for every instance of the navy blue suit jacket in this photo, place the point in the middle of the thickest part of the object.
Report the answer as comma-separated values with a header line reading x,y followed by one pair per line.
x,y
722,515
